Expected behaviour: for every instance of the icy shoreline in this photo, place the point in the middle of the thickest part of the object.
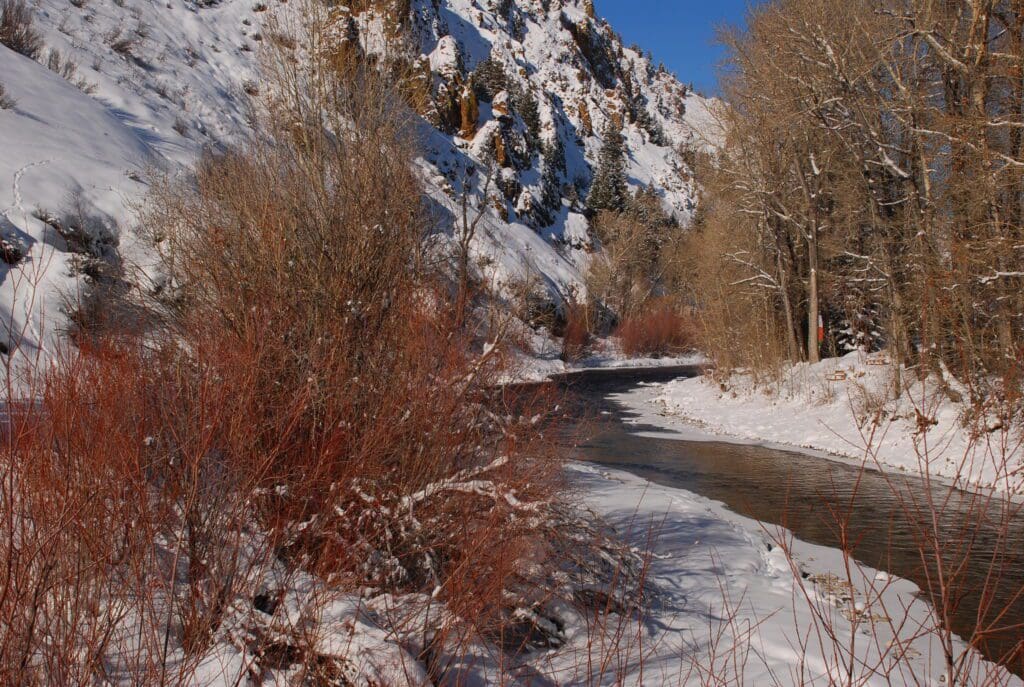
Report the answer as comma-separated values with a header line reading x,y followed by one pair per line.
x,y
544,361
713,571
728,600
814,413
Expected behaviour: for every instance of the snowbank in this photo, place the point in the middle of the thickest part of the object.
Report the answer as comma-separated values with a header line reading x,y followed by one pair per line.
x,y
545,360
844,407
64,155
719,580
728,600
145,87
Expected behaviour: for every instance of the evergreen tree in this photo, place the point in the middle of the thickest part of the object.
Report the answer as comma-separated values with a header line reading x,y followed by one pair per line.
x,y
648,123
646,209
525,104
554,152
552,168
609,190
489,79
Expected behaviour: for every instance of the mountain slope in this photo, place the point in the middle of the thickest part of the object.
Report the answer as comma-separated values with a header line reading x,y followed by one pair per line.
x,y
515,95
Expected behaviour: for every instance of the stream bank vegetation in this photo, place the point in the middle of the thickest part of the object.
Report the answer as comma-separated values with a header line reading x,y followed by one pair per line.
x,y
867,194
291,466
633,284
866,197
865,201
293,462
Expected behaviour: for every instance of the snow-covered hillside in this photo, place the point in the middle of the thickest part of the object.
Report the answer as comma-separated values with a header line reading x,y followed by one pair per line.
x,y
573,73
121,90
124,89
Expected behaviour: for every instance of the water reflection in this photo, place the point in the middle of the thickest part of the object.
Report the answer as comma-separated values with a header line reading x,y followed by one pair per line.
x,y
885,516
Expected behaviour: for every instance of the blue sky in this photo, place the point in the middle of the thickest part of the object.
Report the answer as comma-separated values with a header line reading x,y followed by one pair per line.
x,y
680,33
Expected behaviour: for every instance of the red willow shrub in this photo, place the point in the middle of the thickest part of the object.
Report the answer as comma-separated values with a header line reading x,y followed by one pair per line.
x,y
303,403
301,283
660,329
577,332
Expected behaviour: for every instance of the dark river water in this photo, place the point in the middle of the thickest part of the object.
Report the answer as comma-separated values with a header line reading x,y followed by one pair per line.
x,y
886,515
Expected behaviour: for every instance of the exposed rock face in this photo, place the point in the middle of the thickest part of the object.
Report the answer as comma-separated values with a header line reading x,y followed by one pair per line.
x,y
586,124
500,154
616,115
469,113
519,89
501,105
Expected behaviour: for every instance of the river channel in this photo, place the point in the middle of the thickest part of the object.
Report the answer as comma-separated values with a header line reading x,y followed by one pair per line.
x,y
804,492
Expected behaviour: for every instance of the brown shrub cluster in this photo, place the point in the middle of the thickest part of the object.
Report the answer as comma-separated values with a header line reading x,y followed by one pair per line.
x,y
301,403
16,29
661,329
577,331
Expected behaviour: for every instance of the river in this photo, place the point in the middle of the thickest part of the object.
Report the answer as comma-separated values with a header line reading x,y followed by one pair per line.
x,y
804,492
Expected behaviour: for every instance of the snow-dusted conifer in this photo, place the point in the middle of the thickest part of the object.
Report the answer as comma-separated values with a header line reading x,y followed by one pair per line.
x,y
489,79
553,166
609,190
525,104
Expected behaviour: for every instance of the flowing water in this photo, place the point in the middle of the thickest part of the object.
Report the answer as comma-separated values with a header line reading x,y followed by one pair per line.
x,y
804,493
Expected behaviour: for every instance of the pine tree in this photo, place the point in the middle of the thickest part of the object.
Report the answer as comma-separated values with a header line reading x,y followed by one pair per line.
x,y
649,124
525,104
489,79
552,168
609,190
645,208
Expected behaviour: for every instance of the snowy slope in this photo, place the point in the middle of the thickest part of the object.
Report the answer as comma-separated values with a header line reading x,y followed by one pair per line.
x,y
61,150
148,85
581,76
153,83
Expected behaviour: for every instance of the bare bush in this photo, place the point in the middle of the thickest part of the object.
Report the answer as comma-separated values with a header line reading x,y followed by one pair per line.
x,y
124,45
631,268
576,330
16,30
6,101
661,329
303,406
68,70
731,325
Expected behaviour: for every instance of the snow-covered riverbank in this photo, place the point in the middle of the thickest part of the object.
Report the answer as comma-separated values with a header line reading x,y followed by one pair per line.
x,y
748,603
544,359
728,601
844,407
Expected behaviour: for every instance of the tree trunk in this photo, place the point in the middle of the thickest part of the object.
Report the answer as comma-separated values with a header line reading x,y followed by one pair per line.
x,y
813,353
787,306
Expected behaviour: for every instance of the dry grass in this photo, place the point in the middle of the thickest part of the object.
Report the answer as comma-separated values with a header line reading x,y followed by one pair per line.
x,y
16,30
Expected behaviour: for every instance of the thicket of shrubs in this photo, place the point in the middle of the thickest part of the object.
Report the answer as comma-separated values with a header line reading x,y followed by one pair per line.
x,y
637,285
661,329
297,401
